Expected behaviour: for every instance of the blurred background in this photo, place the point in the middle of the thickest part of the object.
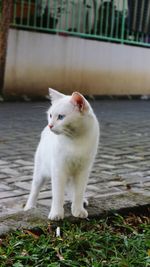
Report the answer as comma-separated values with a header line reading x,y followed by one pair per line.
x,y
98,47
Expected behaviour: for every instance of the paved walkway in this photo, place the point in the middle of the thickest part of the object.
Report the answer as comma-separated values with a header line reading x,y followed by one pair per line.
x,y
121,174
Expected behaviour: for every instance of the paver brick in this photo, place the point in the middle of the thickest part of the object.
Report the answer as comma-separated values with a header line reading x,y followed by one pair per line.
x,y
7,194
4,187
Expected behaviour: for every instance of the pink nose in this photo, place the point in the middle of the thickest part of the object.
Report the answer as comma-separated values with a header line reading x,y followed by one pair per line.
x,y
50,126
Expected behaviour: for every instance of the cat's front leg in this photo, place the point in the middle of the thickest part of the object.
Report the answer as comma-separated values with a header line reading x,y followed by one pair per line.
x,y
37,182
79,186
35,189
58,187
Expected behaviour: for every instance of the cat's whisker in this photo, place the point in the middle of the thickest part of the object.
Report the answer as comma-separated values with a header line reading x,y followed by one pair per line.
x,y
68,133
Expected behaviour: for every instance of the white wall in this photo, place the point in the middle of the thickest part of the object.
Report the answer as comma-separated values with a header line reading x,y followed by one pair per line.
x,y
36,61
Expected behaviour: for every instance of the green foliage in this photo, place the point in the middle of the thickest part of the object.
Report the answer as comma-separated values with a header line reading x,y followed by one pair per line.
x,y
111,242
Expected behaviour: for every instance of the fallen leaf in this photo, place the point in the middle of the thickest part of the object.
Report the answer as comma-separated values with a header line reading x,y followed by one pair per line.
x,y
36,232
128,186
61,258
24,253
148,252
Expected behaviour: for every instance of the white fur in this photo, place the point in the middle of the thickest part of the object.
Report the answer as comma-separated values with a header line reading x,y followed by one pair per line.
x,y
65,153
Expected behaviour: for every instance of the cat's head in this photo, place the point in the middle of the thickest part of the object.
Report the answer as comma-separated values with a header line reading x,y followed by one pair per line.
x,y
68,115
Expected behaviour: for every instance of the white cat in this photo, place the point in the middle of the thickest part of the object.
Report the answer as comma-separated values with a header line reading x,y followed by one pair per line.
x,y
66,152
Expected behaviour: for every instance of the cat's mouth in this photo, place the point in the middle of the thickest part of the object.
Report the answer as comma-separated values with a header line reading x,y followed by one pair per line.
x,y
64,132
54,131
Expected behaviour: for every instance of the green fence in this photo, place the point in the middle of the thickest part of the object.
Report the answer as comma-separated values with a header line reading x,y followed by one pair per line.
x,y
122,21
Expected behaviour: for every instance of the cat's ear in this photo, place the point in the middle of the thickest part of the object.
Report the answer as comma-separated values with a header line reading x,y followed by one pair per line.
x,y
78,100
54,95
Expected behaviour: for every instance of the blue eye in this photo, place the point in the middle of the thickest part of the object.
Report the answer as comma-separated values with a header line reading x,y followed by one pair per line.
x,y
60,117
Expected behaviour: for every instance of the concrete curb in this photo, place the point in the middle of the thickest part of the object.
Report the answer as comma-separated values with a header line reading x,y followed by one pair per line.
x,y
97,208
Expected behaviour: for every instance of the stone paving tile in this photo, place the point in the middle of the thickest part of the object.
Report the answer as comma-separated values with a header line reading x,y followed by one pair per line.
x,y
122,166
7,194
4,187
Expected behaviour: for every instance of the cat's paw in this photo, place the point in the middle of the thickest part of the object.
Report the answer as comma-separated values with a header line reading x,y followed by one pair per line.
x,y
28,207
56,215
80,213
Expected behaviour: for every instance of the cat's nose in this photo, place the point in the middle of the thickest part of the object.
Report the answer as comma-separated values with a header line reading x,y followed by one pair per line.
x,y
50,126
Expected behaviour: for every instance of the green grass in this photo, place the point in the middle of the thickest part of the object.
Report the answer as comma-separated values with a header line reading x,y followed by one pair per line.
x,y
115,241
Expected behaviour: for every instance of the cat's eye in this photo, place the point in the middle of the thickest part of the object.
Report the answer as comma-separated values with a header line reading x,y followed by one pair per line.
x,y
50,115
60,117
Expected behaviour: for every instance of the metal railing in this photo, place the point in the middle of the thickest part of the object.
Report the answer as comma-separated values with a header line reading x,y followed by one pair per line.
x,y
122,21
